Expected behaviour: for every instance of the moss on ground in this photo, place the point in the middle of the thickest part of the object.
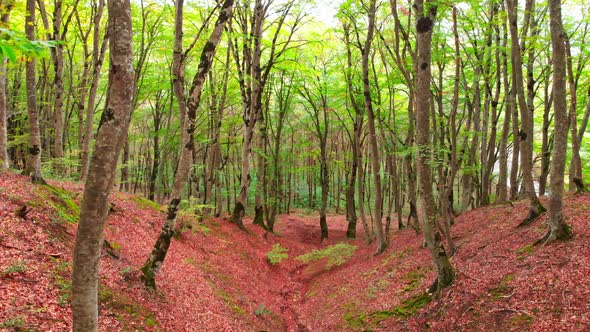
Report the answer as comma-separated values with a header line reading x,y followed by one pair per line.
x,y
62,201
369,321
145,203
335,255
129,313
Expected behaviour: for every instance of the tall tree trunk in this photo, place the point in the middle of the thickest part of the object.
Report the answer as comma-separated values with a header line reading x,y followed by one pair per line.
x,y
376,163
156,258
576,182
547,140
526,131
4,157
558,229
502,189
59,88
112,131
34,154
424,24
98,54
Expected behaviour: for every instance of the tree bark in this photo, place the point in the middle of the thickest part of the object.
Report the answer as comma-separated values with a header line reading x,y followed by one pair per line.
x,y
4,157
526,131
98,54
424,24
557,228
112,131
34,152
376,163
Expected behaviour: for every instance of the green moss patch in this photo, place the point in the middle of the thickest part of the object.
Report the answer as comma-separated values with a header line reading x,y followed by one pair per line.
x,y
503,289
277,254
63,202
126,309
145,203
334,255
370,321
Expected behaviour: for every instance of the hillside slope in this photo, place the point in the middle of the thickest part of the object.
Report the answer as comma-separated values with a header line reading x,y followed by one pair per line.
x,y
218,278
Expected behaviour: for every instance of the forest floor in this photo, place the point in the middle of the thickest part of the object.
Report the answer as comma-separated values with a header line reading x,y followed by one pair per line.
x,y
217,278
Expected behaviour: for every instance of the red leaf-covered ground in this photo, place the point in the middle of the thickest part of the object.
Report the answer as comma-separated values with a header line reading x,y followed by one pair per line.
x,y
217,278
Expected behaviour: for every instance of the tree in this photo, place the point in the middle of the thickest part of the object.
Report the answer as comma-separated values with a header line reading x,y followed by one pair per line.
x,y
158,254
381,243
426,15
526,132
557,228
6,5
101,171
34,154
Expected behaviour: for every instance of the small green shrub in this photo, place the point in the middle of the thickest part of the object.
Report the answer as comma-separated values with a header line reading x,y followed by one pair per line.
x,y
336,255
277,254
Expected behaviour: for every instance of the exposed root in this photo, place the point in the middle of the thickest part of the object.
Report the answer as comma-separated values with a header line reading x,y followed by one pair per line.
x,y
536,210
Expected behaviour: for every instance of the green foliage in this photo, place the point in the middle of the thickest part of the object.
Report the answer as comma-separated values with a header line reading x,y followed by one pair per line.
x,y
335,255
14,44
277,254
16,267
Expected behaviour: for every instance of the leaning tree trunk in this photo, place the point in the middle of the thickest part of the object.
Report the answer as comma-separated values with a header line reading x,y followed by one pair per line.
x,y
112,132
424,24
34,156
156,258
558,229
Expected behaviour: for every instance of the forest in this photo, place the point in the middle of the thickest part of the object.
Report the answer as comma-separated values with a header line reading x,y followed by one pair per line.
x,y
250,163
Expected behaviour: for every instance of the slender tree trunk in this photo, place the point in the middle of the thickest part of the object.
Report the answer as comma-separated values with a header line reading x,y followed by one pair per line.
x,y
156,258
4,157
547,142
376,163
112,132
59,88
502,188
558,229
34,154
576,182
424,24
526,131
